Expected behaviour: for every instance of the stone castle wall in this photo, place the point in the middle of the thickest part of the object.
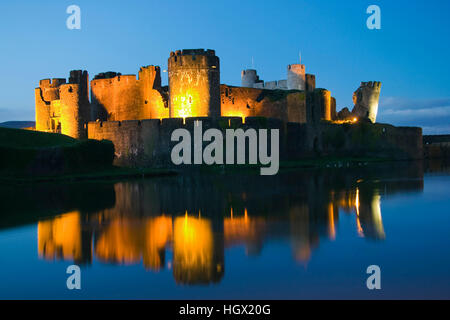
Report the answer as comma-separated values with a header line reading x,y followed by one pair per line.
x,y
289,106
147,143
123,97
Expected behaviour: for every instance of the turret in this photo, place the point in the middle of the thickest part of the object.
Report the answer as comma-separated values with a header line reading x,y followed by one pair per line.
x,y
75,106
249,78
296,77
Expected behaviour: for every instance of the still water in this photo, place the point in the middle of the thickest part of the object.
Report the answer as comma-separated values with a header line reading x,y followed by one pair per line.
x,y
298,235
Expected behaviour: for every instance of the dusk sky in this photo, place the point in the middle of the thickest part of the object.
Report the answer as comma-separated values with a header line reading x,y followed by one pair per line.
x,y
409,54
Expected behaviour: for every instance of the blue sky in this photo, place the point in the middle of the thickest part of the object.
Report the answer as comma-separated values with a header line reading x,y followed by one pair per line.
x,y
409,54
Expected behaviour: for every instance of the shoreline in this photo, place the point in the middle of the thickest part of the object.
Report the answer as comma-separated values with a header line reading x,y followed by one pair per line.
x,y
125,173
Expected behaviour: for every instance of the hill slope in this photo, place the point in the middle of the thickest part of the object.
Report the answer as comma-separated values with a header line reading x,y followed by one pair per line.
x,y
18,124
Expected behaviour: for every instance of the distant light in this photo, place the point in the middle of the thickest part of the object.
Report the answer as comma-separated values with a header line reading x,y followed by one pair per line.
x,y
355,119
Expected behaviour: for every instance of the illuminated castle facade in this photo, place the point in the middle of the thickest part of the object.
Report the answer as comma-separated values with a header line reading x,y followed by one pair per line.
x,y
194,90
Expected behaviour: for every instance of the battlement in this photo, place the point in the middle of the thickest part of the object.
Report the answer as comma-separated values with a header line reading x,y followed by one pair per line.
x,y
51,83
207,52
107,75
150,68
249,72
118,79
371,84
296,67
193,58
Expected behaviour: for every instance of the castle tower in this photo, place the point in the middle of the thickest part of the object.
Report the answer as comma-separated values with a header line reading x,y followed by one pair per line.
x,y
296,78
154,106
249,78
75,106
320,106
365,99
194,83
310,82
47,92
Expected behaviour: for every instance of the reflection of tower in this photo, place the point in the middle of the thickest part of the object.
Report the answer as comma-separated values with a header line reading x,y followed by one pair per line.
x,y
63,238
126,241
370,217
198,253
121,242
302,238
194,83
158,234
244,230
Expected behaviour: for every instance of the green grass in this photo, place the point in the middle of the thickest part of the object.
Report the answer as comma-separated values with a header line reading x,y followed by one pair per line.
x,y
25,154
33,139
33,156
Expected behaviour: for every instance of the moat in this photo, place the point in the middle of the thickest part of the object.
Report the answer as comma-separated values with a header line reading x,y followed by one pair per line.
x,y
298,234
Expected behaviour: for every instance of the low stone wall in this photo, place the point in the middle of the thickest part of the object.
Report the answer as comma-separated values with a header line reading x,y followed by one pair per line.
x,y
147,143
436,146
369,140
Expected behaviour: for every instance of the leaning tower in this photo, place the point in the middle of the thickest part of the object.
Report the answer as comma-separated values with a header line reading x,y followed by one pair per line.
x,y
194,83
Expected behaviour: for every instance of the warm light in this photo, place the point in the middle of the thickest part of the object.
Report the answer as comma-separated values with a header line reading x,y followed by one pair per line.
x,y
238,230
331,227
376,216
355,119
192,249
60,237
234,113
359,229
185,105
357,202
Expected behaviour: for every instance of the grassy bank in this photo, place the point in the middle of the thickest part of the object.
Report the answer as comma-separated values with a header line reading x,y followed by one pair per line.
x,y
25,153
32,156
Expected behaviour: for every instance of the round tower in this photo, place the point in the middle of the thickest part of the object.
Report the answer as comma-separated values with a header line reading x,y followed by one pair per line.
x,y
248,78
296,78
75,106
194,83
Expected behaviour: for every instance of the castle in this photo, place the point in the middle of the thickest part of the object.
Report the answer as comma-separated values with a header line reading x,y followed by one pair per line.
x,y
138,114
194,90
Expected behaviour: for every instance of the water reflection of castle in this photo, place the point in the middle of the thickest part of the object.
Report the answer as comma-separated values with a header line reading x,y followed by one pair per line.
x,y
197,218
